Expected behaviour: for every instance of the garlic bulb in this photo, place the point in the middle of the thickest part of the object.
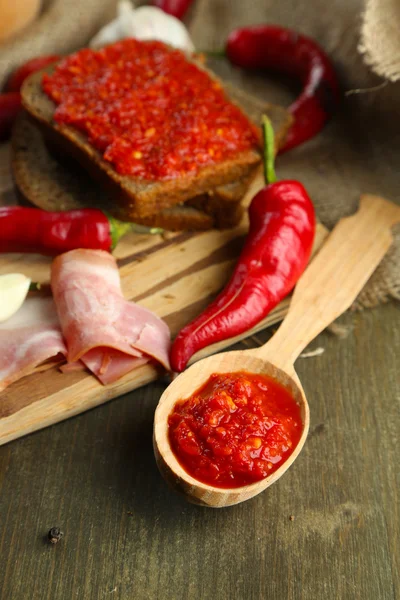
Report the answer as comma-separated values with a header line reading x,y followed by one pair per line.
x,y
13,290
144,23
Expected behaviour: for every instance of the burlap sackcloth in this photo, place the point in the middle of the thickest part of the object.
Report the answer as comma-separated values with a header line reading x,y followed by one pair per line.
x,y
358,152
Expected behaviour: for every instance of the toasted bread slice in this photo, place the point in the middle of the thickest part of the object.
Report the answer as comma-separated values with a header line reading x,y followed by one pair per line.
x,y
59,185
225,213
179,218
141,196
53,184
198,214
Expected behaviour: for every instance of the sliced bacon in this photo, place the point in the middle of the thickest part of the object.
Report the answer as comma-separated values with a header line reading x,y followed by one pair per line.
x,y
30,337
109,334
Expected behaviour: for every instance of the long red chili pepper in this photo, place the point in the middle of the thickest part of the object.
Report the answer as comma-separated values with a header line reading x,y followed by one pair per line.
x,y
176,8
10,101
51,233
276,252
18,77
286,51
10,105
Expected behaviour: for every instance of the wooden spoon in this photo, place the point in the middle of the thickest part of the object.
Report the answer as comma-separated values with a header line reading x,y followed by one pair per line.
x,y
326,289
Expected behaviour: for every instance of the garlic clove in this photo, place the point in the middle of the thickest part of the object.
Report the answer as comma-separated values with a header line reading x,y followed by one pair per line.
x,y
144,23
152,23
13,290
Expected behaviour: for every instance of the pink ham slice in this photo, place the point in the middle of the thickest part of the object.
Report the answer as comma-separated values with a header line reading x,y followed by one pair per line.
x,y
107,363
30,337
109,334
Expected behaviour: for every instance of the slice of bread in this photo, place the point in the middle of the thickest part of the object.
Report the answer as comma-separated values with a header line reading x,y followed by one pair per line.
x,y
181,217
198,214
54,183
225,213
140,196
136,197
62,184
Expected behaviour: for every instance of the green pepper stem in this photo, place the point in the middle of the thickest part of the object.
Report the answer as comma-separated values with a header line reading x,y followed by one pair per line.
x,y
43,288
137,228
269,150
120,228
213,53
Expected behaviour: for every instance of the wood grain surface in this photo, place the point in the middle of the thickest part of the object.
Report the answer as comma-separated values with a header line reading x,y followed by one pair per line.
x,y
126,535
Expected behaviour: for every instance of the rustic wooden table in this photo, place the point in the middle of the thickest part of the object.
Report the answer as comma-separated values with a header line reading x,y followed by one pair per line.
x,y
327,529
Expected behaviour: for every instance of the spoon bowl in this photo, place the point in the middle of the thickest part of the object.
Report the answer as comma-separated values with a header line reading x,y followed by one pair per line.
x,y
326,289
183,387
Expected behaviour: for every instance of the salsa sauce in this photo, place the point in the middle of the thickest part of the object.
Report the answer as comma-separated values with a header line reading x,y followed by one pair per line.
x,y
236,429
151,112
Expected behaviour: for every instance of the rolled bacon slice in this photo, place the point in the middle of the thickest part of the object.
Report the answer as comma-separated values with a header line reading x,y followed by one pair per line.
x,y
28,339
109,334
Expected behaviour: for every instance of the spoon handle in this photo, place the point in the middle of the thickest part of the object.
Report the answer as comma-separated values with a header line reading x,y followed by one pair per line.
x,y
333,280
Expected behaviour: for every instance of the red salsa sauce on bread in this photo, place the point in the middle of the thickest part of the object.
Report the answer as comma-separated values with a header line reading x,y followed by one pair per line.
x,y
151,112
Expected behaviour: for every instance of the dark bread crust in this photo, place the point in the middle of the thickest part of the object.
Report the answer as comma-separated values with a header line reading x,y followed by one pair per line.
x,y
181,217
225,213
199,213
140,198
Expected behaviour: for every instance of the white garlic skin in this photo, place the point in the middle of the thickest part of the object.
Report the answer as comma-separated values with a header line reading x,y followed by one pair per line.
x,y
144,23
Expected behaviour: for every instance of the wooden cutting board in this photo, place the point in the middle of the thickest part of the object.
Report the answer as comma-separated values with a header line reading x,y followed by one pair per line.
x,y
175,276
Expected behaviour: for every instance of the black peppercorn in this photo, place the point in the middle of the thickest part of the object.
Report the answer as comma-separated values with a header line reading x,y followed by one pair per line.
x,y
55,534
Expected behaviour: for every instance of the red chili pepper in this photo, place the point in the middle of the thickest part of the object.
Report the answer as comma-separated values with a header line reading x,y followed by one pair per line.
x,y
10,104
176,8
35,230
16,80
286,51
276,252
